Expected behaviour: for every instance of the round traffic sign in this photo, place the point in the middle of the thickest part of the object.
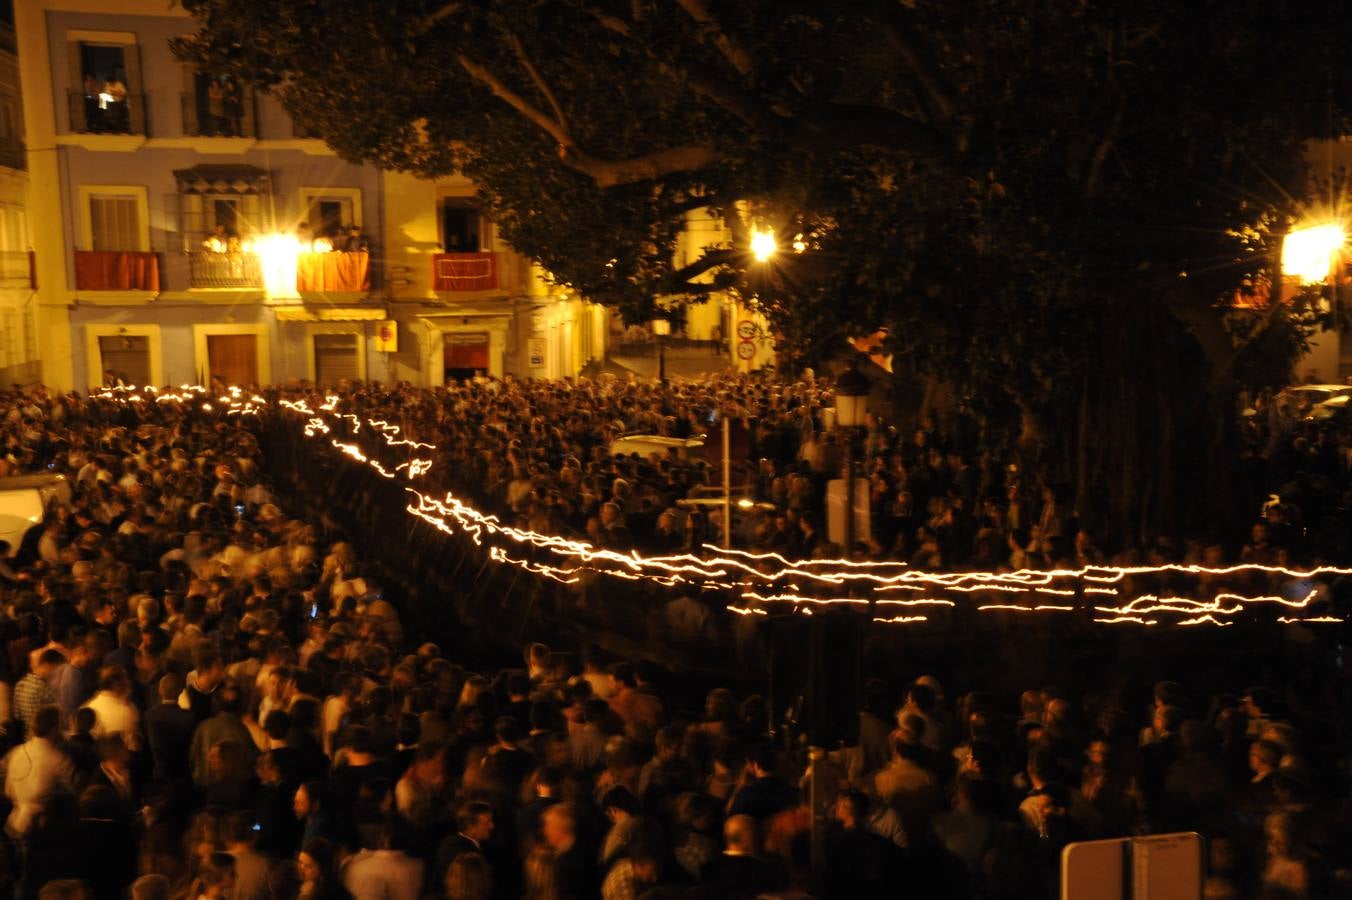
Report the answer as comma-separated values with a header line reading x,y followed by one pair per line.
x,y
746,349
747,330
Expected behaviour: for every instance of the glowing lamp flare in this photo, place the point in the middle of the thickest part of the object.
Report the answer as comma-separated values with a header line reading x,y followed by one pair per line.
x,y
1309,254
763,245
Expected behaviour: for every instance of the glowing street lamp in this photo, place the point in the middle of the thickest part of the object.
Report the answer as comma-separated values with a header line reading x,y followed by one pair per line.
x,y
660,329
852,392
763,245
1309,254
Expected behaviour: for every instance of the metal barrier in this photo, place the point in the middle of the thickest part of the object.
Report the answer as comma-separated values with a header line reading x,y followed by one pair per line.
x,y
207,269
101,113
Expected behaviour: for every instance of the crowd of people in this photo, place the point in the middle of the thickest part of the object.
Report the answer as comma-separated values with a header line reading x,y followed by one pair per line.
x,y
539,453
207,694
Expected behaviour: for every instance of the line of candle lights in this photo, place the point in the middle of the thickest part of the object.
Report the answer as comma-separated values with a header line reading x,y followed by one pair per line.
x,y
766,579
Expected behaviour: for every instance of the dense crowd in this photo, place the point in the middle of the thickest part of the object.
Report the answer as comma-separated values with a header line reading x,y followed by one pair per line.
x,y
539,453
207,695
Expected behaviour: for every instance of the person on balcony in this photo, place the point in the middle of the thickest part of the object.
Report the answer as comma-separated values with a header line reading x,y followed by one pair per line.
x,y
354,242
217,241
117,117
216,108
234,108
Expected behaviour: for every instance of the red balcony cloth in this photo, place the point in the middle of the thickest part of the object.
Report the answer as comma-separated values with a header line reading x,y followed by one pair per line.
x,y
116,270
464,271
336,271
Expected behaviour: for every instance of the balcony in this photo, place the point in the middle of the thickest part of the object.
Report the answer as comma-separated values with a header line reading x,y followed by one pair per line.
x,y
18,269
101,114
460,272
117,270
14,156
234,119
237,271
333,272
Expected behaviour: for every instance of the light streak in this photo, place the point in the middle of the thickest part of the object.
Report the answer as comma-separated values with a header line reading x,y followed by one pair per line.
x,y
740,571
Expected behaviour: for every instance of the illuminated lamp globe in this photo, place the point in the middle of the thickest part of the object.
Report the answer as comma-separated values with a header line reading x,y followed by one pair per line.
x,y
763,245
1309,253
852,390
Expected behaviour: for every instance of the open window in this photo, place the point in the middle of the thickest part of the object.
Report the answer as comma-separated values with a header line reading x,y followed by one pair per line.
x,y
462,228
217,105
105,96
221,207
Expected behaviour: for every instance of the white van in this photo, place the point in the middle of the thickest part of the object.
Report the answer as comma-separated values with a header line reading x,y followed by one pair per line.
x,y
24,499
646,444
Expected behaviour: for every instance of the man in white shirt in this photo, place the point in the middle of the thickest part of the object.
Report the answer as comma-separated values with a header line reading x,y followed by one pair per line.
x,y
379,872
113,710
34,770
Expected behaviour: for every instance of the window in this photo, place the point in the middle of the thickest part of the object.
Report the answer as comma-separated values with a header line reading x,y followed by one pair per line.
x,y
114,222
13,228
217,105
105,88
115,217
331,212
461,226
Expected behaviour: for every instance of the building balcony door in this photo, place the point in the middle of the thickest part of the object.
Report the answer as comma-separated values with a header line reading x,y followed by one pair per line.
x,y
233,359
465,356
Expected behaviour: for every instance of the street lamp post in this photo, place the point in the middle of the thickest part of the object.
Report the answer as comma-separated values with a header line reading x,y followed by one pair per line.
x,y
852,390
661,328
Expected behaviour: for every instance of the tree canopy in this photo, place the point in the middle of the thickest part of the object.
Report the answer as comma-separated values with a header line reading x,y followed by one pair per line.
x,y
1039,200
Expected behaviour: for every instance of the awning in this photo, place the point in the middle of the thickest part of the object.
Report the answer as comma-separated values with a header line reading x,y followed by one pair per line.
x,y
331,314
223,179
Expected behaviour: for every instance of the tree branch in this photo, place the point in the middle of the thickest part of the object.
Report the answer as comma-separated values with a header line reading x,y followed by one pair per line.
x,y
444,11
555,129
1093,184
830,127
919,65
540,82
711,259
732,50
609,173
605,172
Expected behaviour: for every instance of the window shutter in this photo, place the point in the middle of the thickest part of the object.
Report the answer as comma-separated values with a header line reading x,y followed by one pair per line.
x,y
127,357
249,121
192,222
191,127
75,92
336,358
136,100
251,215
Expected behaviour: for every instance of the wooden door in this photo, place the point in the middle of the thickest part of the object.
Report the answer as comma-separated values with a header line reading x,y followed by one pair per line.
x,y
233,358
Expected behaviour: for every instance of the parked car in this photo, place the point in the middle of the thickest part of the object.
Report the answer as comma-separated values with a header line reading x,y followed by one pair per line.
x,y
23,501
1303,399
646,444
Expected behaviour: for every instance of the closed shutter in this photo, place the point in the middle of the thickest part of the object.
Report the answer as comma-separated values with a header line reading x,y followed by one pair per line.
x,y
336,358
75,92
114,223
189,102
192,221
136,98
248,125
251,215
126,357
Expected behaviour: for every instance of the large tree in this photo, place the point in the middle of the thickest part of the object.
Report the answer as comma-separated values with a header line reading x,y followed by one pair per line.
x,y
1049,204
